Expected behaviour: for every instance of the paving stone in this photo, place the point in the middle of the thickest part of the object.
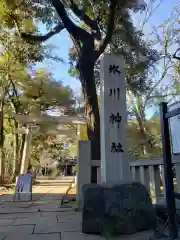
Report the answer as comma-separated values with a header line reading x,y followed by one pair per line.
x,y
43,208
8,216
28,229
17,205
65,209
12,210
69,217
53,236
6,197
79,236
46,201
145,235
60,211
49,197
33,210
50,205
48,214
33,220
58,227
1,236
19,215
6,222
69,213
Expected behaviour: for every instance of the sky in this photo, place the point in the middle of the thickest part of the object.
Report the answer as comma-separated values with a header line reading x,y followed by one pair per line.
x,y
61,43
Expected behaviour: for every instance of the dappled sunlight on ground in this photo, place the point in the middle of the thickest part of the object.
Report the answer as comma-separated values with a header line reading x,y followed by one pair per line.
x,y
44,217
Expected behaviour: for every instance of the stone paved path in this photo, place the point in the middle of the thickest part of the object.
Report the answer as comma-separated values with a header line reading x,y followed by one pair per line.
x,y
43,218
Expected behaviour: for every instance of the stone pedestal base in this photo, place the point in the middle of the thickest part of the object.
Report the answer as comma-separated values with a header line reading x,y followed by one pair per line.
x,y
123,208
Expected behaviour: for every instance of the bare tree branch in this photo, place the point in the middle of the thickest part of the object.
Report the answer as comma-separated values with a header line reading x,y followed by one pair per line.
x,y
45,37
77,32
110,27
93,24
148,16
166,95
175,54
166,68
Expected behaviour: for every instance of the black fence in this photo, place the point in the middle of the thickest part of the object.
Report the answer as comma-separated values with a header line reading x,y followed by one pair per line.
x,y
168,172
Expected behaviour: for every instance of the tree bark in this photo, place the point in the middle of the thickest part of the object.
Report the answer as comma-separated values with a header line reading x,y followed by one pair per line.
x,y
146,147
2,143
84,42
91,104
15,147
86,68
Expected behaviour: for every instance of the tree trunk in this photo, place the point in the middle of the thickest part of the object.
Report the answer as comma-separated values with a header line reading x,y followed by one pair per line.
x,y
15,171
1,144
86,68
15,147
146,147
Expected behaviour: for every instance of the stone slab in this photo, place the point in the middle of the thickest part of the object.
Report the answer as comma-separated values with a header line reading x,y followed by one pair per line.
x,y
80,236
53,236
6,222
60,211
6,231
19,215
8,216
42,208
12,210
145,235
69,217
32,210
58,227
17,204
1,236
69,213
6,197
33,220
114,164
49,197
46,202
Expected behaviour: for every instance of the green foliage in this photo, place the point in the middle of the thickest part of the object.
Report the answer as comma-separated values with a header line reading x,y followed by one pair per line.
x,y
57,151
138,142
20,90
42,92
83,132
27,94
73,72
139,56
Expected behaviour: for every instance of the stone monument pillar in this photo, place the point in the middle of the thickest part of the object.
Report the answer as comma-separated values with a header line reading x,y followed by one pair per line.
x,y
103,207
114,157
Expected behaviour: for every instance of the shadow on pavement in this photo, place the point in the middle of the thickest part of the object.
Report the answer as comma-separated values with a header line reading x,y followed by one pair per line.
x,y
40,202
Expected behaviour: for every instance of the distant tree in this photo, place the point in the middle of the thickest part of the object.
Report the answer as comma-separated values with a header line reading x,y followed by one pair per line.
x,y
91,31
146,145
